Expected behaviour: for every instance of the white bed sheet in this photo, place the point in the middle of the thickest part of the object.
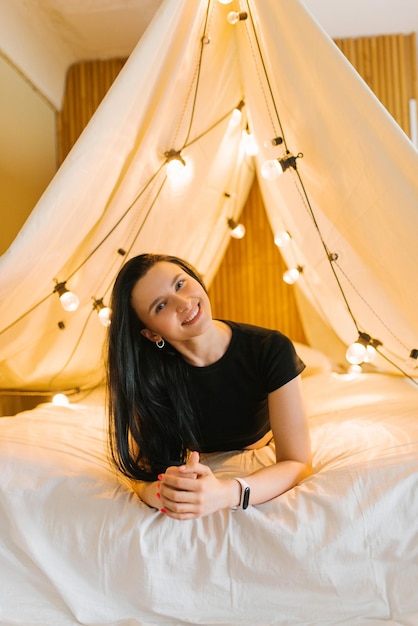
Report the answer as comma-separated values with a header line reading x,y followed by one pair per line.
x,y
78,547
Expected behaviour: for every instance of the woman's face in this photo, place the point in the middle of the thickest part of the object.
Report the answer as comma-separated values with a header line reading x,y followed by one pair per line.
x,y
171,304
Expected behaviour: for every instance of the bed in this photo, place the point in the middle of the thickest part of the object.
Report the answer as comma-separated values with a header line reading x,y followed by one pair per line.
x,y
78,547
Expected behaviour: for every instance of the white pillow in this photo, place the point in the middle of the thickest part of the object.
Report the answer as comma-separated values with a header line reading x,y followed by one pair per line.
x,y
316,361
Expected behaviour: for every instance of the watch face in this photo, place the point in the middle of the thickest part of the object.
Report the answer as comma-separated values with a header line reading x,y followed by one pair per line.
x,y
246,498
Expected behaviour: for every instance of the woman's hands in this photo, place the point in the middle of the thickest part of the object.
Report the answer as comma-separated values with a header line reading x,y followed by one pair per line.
x,y
191,490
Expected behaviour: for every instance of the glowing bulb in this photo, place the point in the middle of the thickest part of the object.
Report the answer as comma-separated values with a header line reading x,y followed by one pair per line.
x,y
371,354
282,239
236,117
271,169
272,143
356,353
175,168
103,312
249,143
60,399
234,17
69,301
224,1
104,316
291,275
237,230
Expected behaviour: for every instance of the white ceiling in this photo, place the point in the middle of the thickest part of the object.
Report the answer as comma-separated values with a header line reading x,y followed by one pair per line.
x,y
43,37
96,28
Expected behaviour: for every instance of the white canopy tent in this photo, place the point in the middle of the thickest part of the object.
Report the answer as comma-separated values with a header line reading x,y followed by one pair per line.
x,y
350,202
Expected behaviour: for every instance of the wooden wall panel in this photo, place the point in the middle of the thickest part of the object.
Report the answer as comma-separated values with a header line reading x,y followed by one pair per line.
x,y
248,286
388,65
86,85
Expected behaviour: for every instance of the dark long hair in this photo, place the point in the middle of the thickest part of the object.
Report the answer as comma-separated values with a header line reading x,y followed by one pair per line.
x,y
151,418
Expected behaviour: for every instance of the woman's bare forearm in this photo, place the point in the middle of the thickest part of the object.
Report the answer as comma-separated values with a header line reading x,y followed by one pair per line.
x,y
147,492
272,481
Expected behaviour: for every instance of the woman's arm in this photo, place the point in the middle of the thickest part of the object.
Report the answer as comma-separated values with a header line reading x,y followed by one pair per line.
x,y
290,428
148,492
182,498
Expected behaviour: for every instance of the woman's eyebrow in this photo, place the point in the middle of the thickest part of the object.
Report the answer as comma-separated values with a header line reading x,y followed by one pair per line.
x,y
156,300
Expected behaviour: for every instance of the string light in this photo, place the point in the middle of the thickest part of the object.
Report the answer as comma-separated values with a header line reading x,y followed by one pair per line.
x,y
272,143
175,164
249,143
103,311
292,275
237,230
234,17
69,300
225,1
60,399
236,115
273,168
282,238
363,350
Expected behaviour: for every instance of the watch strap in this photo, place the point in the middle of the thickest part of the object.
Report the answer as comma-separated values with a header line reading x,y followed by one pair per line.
x,y
245,494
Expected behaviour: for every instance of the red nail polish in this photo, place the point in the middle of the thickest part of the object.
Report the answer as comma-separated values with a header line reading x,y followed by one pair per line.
x,y
158,485
163,511
160,476
158,495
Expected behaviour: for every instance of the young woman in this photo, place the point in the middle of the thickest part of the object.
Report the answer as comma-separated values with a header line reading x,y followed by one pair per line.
x,y
182,384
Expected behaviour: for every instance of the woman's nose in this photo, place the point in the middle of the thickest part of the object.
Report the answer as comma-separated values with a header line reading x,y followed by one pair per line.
x,y
182,303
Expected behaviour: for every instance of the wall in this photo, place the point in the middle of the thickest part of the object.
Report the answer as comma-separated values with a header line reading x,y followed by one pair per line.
x,y
27,155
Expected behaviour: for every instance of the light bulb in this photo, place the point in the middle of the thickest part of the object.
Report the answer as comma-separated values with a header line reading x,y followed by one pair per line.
x,y
271,169
272,143
104,316
69,301
234,17
249,143
371,354
176,165
282,239
103,311
291,275
175,168
237,230
236,117
60,399
224,1
356,353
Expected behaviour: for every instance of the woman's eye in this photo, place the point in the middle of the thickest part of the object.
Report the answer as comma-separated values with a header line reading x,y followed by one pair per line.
x,y
159,306
179,284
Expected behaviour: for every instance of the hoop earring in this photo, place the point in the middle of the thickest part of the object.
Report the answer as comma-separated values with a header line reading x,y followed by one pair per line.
x,y
160,344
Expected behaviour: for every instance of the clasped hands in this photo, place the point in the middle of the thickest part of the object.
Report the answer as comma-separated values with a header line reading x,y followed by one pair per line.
x,y
191,490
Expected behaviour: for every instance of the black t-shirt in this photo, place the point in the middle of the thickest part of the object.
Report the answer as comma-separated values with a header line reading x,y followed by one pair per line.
x,y
231,395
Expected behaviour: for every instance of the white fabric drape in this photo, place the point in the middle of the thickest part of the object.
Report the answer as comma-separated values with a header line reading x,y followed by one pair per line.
x,y
358,169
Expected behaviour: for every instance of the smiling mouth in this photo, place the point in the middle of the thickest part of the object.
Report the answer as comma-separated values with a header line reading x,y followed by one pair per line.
x,y
192,316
